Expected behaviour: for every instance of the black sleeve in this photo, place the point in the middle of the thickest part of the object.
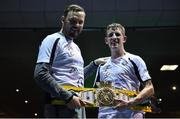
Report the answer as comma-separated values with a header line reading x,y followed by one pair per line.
x,y
44,79
89,69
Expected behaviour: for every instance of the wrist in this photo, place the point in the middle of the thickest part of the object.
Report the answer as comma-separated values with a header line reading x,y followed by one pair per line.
x,y
69,99
130,103
134,102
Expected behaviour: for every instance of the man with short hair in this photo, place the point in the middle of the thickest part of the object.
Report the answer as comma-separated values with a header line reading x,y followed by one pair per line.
x,y
60,63
120,71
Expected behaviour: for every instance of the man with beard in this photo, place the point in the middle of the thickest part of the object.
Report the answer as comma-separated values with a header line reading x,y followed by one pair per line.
x,y
60,63
119,70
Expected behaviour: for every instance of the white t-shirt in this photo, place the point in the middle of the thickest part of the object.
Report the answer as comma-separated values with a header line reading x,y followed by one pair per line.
x,y
121,73
67,67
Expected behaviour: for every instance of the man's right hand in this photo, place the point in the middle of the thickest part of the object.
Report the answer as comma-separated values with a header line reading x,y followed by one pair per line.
x,y
75,102
101,60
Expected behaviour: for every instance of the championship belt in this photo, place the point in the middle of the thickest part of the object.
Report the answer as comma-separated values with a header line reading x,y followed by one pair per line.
x,y
105,94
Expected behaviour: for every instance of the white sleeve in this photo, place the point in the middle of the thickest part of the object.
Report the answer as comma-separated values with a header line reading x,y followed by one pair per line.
x,y
45,49
142,68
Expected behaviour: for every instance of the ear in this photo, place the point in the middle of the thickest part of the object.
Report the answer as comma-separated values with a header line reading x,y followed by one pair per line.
x,y
62,19
125,39
106,40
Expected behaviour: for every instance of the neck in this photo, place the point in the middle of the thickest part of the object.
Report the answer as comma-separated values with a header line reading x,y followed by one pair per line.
x,y
67,37
118,53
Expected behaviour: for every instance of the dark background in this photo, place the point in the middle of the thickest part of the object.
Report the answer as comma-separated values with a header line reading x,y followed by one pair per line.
x,y
153,29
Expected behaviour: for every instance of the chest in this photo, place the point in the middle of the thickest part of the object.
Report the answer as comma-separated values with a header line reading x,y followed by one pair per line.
x,y
69,54
122,69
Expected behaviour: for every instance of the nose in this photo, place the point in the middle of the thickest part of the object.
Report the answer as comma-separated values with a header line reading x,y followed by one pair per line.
x,y
76,24
114,35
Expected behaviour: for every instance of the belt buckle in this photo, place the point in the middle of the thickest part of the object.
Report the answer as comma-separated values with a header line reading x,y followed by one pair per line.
x,y
105,94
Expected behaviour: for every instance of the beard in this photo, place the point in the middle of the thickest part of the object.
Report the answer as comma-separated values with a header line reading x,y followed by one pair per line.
x,y
74,33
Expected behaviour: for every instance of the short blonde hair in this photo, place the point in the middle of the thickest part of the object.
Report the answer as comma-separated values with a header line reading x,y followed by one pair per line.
x,y
115,26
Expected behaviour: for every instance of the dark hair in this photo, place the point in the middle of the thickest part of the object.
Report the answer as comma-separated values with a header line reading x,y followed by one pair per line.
x,y
74,8
114,26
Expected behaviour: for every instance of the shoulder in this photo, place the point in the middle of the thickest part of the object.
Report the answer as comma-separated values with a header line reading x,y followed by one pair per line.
x,y
135,58
132,56
49,40
51,37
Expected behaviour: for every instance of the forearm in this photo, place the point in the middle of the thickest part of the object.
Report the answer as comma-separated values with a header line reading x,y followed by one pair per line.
x,y
44,79
89,69
147,92
144,94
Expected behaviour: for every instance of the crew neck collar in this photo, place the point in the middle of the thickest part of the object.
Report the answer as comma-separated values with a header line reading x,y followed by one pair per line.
x,y
67,38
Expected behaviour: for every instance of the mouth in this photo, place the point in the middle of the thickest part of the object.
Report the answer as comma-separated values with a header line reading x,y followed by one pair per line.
x,y
74,32
74,28
114,42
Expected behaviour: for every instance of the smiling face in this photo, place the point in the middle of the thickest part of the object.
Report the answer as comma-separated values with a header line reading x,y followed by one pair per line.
x,y
115,38
73,23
